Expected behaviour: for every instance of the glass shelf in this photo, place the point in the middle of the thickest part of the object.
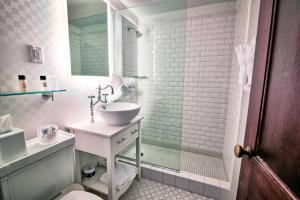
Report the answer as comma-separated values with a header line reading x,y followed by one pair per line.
x,y
29,92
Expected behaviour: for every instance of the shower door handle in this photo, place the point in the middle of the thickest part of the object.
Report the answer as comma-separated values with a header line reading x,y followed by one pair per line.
x,y
239,151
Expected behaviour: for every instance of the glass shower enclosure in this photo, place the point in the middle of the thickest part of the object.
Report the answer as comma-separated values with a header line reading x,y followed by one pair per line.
x,y
153,40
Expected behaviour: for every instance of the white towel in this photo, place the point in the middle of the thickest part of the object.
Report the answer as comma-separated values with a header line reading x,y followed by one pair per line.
x,y
6,123
245,57
117,84
116,81
250,51
241,58
117,94
124,173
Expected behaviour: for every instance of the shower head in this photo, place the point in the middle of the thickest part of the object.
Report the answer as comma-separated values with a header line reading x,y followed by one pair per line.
x,y
137,33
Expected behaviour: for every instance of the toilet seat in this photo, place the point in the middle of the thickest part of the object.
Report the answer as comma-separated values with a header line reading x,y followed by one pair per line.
x,y
80,195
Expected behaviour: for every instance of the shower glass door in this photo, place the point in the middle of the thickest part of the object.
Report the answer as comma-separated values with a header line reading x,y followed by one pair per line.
x,y
153,56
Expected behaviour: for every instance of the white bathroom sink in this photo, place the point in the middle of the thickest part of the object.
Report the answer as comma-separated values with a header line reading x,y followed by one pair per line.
x,y
118,113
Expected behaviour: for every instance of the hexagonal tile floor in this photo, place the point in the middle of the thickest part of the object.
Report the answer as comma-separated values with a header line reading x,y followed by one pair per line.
x,y
150,190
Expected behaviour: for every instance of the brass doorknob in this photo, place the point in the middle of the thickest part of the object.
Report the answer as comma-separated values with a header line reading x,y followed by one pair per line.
x,y
239,151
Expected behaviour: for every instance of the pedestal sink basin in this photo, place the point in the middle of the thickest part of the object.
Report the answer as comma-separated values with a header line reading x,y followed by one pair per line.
x,y
118,113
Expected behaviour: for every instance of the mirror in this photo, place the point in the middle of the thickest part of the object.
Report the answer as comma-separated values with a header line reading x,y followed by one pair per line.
x,y
88,36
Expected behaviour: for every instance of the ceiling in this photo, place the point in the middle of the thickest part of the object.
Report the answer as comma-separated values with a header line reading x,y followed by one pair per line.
x,y
143,8
75,2
189,3
85,8
88,21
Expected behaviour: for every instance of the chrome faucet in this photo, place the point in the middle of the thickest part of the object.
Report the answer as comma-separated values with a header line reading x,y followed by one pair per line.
x,y
92,103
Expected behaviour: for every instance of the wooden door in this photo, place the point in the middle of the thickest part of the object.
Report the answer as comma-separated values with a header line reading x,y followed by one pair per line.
x,y
273,124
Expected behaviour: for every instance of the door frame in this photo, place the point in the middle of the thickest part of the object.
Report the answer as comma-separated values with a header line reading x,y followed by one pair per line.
x,y
261,71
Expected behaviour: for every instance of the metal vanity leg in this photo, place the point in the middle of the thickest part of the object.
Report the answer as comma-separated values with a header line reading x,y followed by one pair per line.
x,y
138,152
111,180
77,167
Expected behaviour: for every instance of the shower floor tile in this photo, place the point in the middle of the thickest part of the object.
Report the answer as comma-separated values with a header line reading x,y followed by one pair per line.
x,y
203,165
150,190
181,160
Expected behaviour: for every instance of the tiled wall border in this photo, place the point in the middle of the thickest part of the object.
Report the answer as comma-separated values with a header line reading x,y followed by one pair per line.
x,y
191,12
210,187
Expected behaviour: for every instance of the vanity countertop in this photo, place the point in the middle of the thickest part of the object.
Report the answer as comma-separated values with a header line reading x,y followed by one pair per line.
x,y
100,127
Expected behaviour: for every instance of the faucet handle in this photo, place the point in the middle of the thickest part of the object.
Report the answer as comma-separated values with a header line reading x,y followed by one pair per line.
x,y
105,98
91,96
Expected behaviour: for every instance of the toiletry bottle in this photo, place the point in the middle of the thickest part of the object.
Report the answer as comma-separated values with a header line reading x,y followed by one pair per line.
x,y
22,83
43,83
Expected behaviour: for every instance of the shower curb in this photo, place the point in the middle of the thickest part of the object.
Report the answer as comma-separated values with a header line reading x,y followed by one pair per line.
x,y
206,186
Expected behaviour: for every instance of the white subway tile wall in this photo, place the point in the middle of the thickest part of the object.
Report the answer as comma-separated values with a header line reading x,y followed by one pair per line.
x,y
129,49
162,51
186,98
74,37
209,48
89,50
94,50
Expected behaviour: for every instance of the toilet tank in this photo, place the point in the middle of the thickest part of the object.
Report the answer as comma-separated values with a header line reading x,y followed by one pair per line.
x,y
42,173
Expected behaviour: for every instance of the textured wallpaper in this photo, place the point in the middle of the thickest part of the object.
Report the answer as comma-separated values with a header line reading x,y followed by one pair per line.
x,y
42,23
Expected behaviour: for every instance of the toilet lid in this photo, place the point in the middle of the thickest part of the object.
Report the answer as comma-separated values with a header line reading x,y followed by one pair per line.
x,y
80,195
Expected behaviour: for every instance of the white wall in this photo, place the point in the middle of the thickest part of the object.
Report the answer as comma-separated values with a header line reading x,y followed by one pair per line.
x,y
245,30
43,23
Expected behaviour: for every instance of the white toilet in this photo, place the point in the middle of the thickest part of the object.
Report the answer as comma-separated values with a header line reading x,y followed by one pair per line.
x,y
79,195
43,173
